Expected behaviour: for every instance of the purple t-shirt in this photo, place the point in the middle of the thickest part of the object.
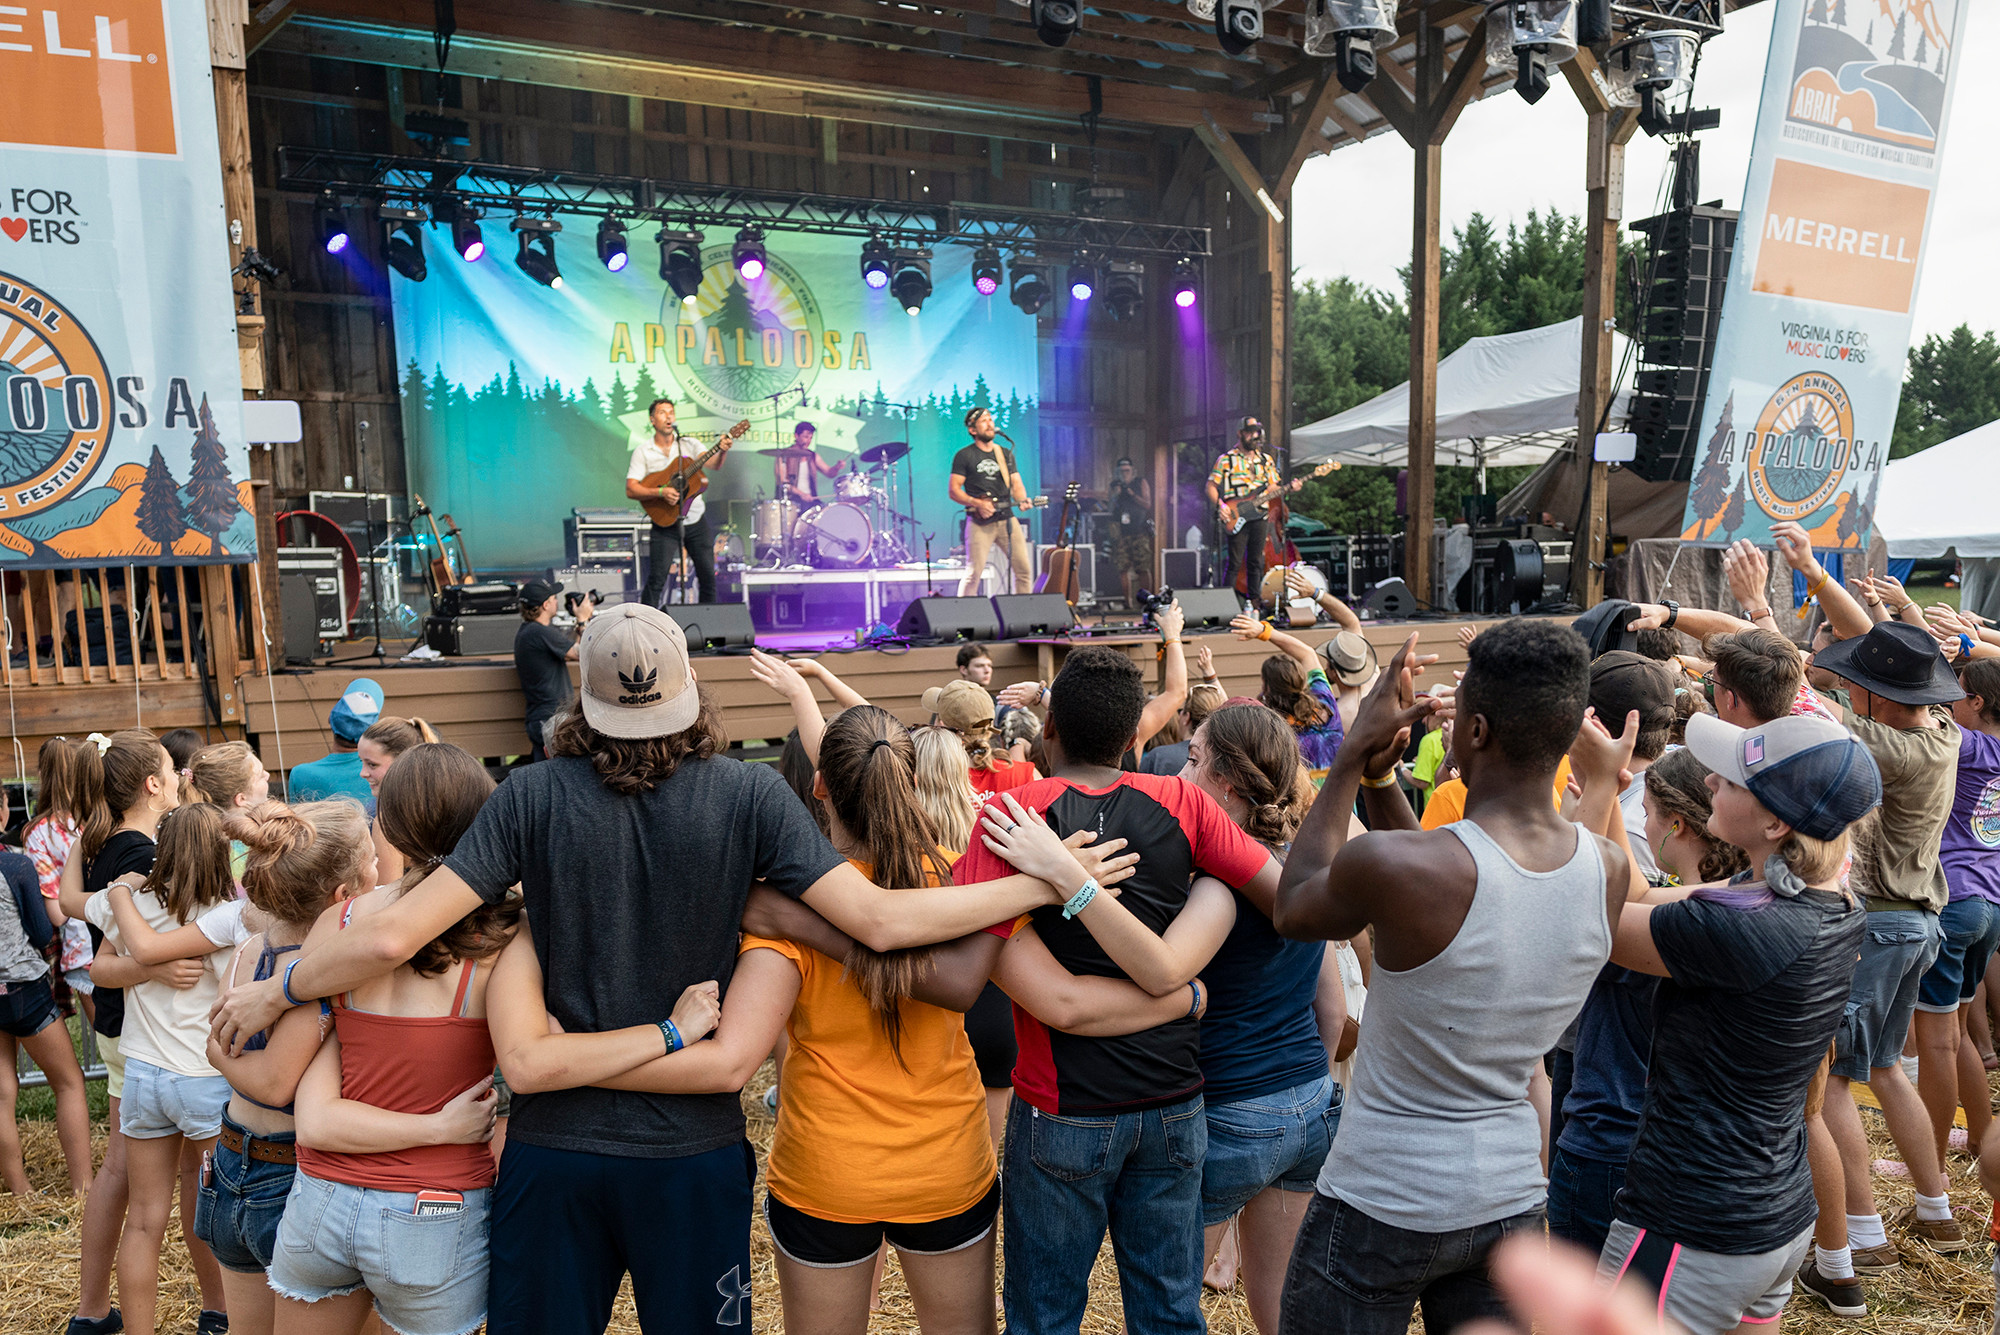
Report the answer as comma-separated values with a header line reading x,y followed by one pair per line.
x,y
1970,845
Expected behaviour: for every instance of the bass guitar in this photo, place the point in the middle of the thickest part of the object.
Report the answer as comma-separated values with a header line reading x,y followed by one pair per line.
x,y
685,476
1278,548
1061,576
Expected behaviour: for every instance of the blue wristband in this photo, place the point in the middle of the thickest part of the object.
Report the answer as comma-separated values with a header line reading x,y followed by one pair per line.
x,y
673,1034
1194,1005
1964,645
1080,901
285,984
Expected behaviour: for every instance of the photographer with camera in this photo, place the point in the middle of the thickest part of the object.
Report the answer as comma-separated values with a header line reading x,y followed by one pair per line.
x,y
542,654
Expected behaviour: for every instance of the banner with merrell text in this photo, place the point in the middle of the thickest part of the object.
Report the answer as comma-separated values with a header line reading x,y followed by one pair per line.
x,y
121,437
521,402
1816,320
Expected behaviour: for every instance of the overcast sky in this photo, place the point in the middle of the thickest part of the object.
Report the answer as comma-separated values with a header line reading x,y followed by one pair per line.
x,y
1352,207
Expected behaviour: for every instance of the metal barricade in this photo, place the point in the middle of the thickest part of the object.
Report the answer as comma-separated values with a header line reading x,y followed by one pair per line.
x,y
31,1076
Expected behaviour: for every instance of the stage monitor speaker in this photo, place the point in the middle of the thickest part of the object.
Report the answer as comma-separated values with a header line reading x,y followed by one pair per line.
x,y
710,627
463,636
1390,598
1180,567
1209,609
299,607
949,620
1024,614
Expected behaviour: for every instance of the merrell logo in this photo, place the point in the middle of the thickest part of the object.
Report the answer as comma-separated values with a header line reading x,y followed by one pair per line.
x,y
639,687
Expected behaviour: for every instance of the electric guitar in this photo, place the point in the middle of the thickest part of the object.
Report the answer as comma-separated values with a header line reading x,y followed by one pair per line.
x,y
685,476
1232,508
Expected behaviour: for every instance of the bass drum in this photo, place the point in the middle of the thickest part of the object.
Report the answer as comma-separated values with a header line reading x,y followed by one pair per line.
x,y
835,537
1299,611
769,522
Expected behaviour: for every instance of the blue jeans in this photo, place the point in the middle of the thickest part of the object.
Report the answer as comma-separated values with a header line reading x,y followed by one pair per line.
x,y
1270,1140
1971,935
1067,1180
1581,1192
238,1211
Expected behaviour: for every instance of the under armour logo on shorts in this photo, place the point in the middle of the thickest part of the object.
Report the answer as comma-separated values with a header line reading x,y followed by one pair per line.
x,y
735,1291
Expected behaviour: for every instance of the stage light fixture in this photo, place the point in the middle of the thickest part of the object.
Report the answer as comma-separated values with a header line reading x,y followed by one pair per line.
x,y
986,271
1082,279
1056,21
1528,38
875,260
403,241
537,255
1201,11
748,254
912,282
465,237
1349,31
331,221
680,264
1125,289
1239,25
611,249
1030,288
1185,287
1654,72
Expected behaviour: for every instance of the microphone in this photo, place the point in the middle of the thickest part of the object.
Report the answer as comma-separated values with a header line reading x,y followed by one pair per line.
x,y
1004,436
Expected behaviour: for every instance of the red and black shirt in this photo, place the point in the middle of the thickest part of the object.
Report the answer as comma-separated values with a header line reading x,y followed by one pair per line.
x,y
1178,831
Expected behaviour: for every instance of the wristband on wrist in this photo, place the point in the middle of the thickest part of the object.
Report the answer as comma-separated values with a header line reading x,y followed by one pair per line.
x,y
285,984
1386,781
1080,901
1904,608
1964,645
1673,614
671,1032
1264,631
1194,1005
1757,613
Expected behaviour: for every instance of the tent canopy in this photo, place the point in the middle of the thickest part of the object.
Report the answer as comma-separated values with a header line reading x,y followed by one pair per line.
x,y
1506,399
1943,498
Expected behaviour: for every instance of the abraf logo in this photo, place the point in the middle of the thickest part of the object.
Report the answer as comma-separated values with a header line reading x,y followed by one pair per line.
x,y
86,74
639,687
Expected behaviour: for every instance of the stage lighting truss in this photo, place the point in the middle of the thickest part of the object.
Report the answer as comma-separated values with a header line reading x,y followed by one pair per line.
x,y
330,221
1028,287
1528,38
912,281
1239,25
748,254
986,271
537,255
611,248
1186,283
875,260
403,241
1654,72
1125,289
680,263
1350,31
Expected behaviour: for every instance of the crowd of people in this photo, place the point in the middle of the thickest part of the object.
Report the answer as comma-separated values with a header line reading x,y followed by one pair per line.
x,y
1186,970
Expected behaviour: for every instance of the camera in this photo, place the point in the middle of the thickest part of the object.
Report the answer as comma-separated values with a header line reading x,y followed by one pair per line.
x,y
572,598
1151,603
1239,25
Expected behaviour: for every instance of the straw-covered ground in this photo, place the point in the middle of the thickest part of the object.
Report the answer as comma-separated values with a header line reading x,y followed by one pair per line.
x,y
38,1262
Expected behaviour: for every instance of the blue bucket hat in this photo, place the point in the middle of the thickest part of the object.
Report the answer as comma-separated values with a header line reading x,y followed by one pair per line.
x,y
357,709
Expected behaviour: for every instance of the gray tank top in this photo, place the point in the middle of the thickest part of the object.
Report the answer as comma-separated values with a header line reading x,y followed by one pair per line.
x,y
1437,1133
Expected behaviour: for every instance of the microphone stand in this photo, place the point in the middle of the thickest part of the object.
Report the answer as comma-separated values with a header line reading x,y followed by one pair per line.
x,y
929,584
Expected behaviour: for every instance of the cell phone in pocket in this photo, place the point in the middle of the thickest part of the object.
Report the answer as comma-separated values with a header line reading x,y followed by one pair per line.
x,y
430,1202
207,1167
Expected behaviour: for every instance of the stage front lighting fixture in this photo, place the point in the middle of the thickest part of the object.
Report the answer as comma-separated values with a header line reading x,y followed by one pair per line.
x,y
1528,38
875,261
331,222
1239,25
1350,31
1125,289
465,237
1056,21
611,250
1654,72
986,271
1185,288
912,282
680,264
537,255
748,254
403,241
1201,11
1082,280
1030,287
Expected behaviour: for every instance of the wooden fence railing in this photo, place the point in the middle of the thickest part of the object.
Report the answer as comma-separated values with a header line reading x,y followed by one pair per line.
x,y
167,623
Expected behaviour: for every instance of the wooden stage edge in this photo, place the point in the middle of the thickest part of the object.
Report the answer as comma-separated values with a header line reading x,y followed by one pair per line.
x,y
476,703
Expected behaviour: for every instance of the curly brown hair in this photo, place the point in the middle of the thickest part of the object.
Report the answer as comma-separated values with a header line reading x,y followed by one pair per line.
x,y
1286,684
427,802
1678,785
638,765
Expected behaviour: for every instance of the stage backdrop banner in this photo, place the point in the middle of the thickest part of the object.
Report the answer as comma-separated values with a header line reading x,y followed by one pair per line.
x,y
521,402
121,436
1816,322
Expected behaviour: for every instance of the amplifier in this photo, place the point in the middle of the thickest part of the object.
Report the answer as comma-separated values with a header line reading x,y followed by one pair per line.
x,y
321,565
1181,567
604,537
459,636
307,604
478,599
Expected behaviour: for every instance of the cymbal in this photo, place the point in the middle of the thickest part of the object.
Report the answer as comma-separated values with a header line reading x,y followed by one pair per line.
x,y
789,452
888,452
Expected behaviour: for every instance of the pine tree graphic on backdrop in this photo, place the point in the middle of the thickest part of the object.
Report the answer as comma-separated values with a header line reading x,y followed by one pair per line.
x,y
212,505
1732,514
161,519
1711,486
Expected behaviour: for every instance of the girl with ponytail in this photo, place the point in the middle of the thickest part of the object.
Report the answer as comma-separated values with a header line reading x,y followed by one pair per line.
x,y
48,840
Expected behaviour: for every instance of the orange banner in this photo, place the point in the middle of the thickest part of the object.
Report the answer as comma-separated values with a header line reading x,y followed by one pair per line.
x,y
1836,237
86,74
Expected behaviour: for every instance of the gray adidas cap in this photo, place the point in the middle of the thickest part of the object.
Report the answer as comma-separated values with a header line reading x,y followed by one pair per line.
x,y
636,679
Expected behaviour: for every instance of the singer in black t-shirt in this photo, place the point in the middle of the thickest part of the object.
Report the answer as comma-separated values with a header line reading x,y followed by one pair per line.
x,y
985,481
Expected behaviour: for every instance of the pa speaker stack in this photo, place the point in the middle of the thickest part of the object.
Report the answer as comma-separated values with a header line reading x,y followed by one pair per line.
x,y
1025,614
949,620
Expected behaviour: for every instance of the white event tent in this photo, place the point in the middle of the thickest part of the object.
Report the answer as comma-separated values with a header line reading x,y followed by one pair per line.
x,y
1943,498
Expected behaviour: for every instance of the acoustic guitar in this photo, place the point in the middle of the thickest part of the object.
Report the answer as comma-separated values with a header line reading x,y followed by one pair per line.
x,y
438,567
1062,572
685,476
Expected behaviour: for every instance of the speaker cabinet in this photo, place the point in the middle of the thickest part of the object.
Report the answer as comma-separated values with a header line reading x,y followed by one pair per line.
x,y
1022,614
1209,609
1390,599
713,626
949,620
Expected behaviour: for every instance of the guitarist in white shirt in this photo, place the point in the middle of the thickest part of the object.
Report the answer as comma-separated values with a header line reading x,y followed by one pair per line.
x,y
650,456
985,481
1242,484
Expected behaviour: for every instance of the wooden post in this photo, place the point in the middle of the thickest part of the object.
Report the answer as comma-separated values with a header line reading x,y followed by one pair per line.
x,y
1424,306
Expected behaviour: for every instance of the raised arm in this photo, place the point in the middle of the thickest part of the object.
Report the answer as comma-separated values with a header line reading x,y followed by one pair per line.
x,y
1748,571
1093,1007
326,1121
1846,615
1173,692
785,679
1699,622
761,994
1249,628
843,695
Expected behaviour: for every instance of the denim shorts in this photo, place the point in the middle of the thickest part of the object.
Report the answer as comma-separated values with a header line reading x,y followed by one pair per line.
x,y
1272,1140
427,1273
1895,953
27,1008
159,1103
237,1210
1971,935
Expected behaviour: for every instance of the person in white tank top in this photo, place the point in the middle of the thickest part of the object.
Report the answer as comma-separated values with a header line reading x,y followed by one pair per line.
x,y
1488,933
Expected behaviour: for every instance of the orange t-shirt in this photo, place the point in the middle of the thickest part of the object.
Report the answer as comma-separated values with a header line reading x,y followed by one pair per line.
x,y
987,782
1447,804
862,1139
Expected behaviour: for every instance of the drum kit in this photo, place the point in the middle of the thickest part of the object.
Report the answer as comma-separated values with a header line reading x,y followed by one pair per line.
x,y
861,527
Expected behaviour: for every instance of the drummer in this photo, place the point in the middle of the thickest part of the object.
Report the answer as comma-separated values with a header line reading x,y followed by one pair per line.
x,y
799,469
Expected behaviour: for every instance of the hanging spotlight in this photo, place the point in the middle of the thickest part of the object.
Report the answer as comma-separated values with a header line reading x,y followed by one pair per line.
x,y
1082,279
986,271
1528,38
1030,289
1239,25
465,237
403,241
875,260
537,255
680,263
1654,72
331,221
1056,21
1185,290
912,282
1124,289
748,254
1202,11
611,251
1349,31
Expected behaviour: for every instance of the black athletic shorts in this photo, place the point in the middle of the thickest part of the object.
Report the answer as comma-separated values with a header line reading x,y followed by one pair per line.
x,y
990,1027
825,1245
28,1008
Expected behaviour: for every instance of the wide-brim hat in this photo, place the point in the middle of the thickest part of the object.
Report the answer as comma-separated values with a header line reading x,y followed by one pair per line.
x,y
1895,660
1350,657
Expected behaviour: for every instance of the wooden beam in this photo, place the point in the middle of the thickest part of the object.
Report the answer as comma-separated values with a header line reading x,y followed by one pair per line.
x,y
1304,135
1604,179
1241,171
265,20
1194,156
1586,79
1425,304
1462,85
1398,110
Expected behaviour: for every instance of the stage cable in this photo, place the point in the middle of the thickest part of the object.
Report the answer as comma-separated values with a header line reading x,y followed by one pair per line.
x,y
271,682
13,722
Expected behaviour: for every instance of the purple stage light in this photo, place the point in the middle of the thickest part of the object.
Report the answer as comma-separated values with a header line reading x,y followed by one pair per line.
x,y
1080,290
986,286
878,279
1184,298
752,268
473,251
336,243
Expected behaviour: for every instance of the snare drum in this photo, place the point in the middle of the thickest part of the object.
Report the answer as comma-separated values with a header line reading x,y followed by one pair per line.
x,y
769,522
837,536
854,487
